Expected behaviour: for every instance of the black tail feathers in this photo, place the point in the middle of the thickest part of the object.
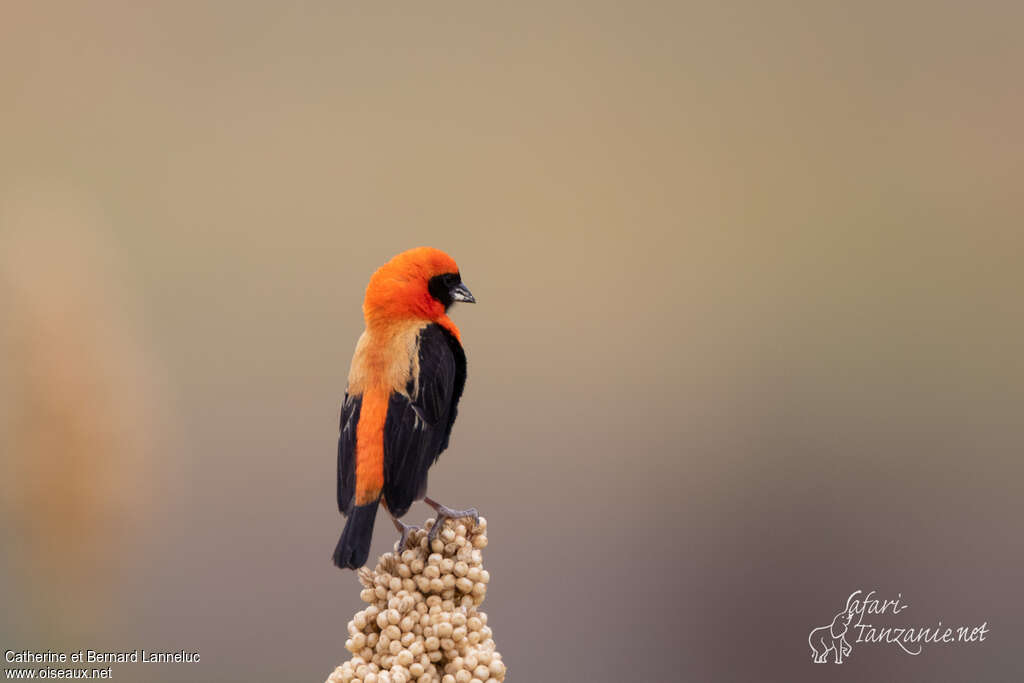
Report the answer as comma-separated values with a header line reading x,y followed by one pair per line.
x,y
354,544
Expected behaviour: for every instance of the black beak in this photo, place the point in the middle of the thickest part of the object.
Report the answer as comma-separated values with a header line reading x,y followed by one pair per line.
x,y
460,293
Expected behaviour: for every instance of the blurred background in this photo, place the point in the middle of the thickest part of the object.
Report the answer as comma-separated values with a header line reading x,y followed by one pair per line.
x,y
749,333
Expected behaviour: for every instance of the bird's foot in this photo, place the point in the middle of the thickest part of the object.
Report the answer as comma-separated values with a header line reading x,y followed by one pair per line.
x,y
444,513
405,530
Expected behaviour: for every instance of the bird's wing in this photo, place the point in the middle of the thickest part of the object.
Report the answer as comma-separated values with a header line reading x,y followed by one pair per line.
x,y
418,425
347,452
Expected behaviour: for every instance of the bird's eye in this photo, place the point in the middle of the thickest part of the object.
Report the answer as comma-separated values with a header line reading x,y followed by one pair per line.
x,y
452,279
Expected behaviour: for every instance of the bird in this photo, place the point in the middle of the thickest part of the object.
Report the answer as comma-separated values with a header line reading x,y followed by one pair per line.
x,y
407,375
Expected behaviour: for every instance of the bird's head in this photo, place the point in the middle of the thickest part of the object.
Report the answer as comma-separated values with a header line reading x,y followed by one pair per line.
x,y
420,283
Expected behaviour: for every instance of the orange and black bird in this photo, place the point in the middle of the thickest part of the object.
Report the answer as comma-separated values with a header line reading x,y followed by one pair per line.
x,y
404,386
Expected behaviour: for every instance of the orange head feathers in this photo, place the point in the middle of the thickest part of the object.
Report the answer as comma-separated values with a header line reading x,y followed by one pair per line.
x,y
418,284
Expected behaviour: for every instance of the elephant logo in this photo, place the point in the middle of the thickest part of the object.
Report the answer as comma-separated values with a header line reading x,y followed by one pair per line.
x,y
832,637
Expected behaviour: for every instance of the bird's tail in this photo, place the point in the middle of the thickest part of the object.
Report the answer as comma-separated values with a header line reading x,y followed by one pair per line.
x,y
354,544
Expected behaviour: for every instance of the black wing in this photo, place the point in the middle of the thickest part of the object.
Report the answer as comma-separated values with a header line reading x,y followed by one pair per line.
x,y
347,452
418,426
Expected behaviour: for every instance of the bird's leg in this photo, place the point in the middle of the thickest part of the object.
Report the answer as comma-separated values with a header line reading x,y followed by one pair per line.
x,y
403,529
444,513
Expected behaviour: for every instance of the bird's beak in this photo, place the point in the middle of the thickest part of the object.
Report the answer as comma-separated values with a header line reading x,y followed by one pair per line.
x,y
460,293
